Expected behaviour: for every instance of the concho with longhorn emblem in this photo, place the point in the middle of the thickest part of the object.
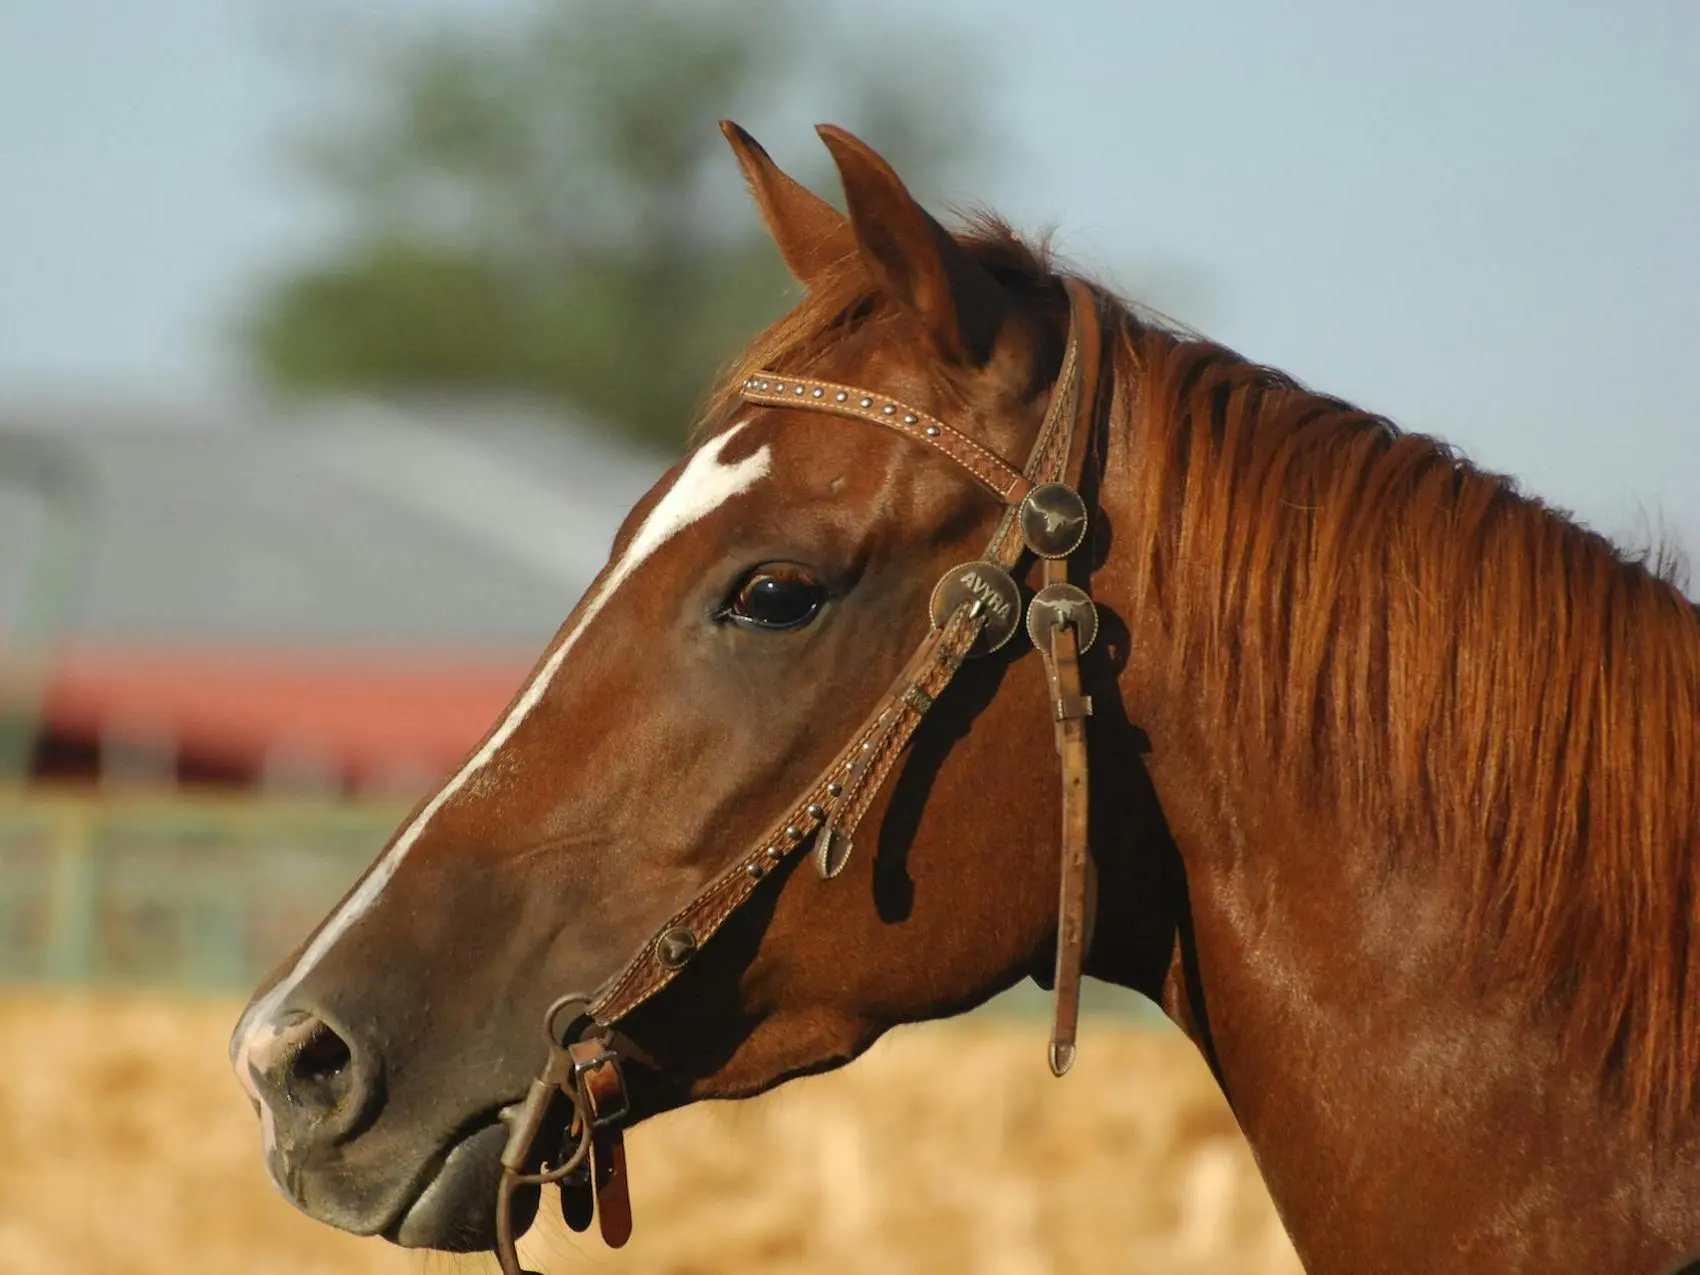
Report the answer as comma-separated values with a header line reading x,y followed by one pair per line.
x,y
1053,520
1062,604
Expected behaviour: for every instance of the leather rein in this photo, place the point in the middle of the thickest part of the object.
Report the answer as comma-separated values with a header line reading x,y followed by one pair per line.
x,y
975,609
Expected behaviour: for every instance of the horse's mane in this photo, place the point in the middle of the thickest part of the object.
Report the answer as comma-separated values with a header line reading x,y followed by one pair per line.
x,y
1410,641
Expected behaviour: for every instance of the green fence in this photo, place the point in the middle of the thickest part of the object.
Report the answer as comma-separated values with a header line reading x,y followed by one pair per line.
x,y
171,891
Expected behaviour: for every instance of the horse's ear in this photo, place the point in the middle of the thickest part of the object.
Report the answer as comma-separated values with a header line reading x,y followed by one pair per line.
x,y
914,258
812,235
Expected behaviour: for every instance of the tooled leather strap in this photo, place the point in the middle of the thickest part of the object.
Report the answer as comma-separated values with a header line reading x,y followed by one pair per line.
x,y
835,803
775,389
1077,901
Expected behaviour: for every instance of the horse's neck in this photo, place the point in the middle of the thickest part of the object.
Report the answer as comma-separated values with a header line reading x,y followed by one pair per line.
x,y
1403,1120
1393,1109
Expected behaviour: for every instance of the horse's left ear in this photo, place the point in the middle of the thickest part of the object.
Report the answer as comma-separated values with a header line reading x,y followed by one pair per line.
x,y
915,259
812,235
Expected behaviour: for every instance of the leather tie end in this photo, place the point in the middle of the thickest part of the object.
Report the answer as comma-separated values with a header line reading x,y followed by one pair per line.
x,y
1062,1057
832,851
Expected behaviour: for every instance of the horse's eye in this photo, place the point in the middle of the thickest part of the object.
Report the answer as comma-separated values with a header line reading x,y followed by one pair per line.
x,y
776,597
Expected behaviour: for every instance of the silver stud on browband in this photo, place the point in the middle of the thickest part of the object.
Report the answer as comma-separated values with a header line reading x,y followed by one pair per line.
x,y
800,391
834,788
909,418
816,812
867,402
819,392
754,871
889,410
775,853
841,396
794,832
779,387
932,431
761,385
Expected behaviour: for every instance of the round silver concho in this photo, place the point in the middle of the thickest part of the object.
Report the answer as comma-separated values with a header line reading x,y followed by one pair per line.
x,y
990,586
1053,520
1062,604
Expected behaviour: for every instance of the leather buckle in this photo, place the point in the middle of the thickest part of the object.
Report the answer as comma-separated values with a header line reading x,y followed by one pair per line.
x,y
583,1069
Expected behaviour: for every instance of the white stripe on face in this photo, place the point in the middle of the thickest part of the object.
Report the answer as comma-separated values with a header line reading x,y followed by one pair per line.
x,y
704,485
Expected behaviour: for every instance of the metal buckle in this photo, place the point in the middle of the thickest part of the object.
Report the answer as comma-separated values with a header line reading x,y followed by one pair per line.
x,y
599,1119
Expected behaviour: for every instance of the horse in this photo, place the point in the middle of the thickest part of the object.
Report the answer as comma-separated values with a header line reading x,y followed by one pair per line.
x,y
1379,777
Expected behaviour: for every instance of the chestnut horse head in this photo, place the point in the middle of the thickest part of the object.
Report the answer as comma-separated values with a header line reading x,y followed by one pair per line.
x,y
1394,801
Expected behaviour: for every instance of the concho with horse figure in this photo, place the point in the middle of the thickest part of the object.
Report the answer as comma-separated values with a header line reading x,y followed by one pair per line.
x,y
1394,803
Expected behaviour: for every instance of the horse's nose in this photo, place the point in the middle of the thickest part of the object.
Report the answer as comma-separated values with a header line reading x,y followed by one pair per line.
x,y
310,1074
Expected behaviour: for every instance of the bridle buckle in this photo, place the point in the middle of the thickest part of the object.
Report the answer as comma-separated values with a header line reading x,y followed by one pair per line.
x,y
589,1058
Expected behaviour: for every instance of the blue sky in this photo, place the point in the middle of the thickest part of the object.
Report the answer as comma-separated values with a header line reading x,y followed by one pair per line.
x,y
1480,219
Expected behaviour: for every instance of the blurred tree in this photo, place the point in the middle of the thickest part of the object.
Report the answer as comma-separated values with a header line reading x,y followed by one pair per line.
x,y
542,209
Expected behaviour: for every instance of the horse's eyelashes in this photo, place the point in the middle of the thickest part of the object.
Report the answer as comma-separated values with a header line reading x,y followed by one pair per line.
x,y
775,598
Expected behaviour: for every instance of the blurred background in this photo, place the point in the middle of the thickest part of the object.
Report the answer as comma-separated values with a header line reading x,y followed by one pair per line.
x,y
336,339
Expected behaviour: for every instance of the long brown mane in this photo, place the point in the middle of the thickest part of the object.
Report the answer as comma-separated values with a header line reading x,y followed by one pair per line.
x,y
1409,640
1454,664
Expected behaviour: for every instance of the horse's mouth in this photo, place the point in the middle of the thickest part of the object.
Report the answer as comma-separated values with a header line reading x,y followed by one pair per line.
x,y
455,1209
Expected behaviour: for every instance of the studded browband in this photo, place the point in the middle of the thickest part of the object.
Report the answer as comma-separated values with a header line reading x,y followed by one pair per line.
x,y
976,608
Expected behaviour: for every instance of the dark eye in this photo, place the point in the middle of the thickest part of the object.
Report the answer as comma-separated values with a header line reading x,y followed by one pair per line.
x,y
775,597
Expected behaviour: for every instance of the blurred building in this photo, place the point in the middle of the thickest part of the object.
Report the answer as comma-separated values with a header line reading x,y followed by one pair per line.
x,y
331,600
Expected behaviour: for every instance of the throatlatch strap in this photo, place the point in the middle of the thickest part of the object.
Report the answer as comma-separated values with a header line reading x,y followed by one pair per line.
x,y
1070,709
1077,889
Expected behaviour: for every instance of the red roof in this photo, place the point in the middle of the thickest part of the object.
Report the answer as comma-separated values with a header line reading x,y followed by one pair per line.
x,y
381,718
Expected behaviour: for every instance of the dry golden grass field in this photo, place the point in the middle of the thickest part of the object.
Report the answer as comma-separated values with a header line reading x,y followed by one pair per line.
x,y
126,1147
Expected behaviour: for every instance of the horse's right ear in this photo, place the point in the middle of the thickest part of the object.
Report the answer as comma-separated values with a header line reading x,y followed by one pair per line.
x,y
812,235
916,261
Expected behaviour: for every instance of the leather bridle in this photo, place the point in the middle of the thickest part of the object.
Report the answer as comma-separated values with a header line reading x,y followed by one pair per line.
x,y
976,608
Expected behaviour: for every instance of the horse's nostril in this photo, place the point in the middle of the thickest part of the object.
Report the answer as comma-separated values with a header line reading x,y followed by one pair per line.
x,y
320,1072
317,1080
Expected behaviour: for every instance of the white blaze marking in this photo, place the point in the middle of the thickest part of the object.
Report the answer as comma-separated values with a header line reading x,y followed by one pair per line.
x,y
705,484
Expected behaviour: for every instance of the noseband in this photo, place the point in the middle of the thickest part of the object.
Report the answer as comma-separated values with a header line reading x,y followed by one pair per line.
x,y
975,609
